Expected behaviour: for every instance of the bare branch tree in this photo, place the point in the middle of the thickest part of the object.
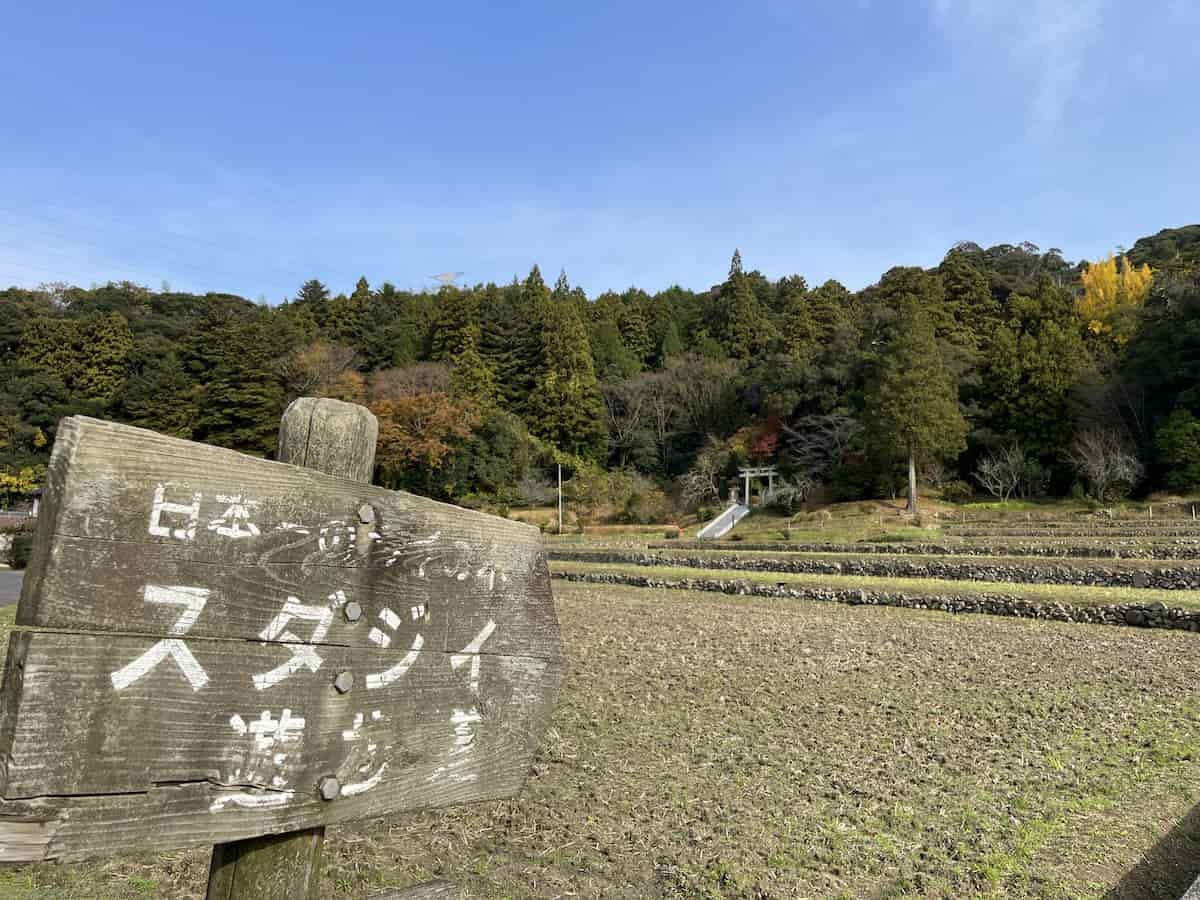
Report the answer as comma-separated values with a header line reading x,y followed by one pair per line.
x,y
626,405
317,369
701,483
58,292
420,378
703,389
1001,472
662,400
1104,458
818,444
535,490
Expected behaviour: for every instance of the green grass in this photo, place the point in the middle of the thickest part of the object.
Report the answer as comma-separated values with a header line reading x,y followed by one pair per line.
x,y
963,559
1043,593
8,615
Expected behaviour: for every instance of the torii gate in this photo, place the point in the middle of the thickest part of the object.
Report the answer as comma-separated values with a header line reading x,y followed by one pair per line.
x,y
767,472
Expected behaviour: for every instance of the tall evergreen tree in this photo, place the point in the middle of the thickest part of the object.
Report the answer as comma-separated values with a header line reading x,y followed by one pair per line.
x,y
832,308
613,360
801,335
243,394
1032,363
634,328
312,292
511,342
162,398
107,345
968,297
472,380
566,406
671,345
739,322
912,408
457,323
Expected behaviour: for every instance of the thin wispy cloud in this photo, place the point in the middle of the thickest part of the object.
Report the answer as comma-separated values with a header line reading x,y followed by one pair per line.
x,y
1049,44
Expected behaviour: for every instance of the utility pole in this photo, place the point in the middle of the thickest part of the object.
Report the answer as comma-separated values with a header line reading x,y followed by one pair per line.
x,y
560,498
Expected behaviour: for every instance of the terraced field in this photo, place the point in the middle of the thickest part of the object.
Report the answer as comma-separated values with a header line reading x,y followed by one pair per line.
x,y
1003,567
1074,548
1164,576
742,741
714,746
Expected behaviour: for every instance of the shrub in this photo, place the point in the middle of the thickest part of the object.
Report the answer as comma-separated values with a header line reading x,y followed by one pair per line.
x,y
790,494
644,505
1178,443
898,537
671,534
21,549
956,491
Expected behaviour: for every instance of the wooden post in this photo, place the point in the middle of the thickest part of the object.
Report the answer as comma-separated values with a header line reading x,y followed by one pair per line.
x,y
338,439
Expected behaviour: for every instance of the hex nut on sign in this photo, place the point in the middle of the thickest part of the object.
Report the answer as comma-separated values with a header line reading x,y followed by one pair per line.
x,y
353,611
330,788
343,682
366,514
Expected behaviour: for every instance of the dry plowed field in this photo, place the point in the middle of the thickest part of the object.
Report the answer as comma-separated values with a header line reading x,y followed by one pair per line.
x,y
722,746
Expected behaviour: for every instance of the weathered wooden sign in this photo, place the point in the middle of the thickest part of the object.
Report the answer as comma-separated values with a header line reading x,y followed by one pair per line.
x,y
214,647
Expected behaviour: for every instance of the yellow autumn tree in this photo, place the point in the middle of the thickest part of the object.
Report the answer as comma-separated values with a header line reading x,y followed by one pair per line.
x,y
14,485
1112,291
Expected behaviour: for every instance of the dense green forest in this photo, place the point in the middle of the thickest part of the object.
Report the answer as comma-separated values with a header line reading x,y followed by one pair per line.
x,y
1003,371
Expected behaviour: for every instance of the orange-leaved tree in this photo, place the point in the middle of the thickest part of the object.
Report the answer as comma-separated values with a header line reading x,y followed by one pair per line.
x,y
416,434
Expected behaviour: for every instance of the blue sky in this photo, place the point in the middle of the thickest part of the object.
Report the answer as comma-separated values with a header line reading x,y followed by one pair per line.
x,y
247,147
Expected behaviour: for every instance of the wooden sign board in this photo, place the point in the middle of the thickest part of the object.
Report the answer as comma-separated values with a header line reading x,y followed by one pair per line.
x,y
213,647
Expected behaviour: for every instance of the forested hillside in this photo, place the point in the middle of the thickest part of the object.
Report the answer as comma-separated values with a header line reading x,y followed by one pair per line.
x,y
1005,371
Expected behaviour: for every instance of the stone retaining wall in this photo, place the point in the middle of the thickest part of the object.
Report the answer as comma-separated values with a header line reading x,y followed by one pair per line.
x,y
1111,549
1039,532
1177,578
1151,615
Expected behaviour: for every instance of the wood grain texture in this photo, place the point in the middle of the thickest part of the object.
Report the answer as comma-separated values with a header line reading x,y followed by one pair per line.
x,y
337,439
329,436
94,553
276,867
172,757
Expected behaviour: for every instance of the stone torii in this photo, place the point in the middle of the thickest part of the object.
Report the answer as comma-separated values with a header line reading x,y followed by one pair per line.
x,y
767,472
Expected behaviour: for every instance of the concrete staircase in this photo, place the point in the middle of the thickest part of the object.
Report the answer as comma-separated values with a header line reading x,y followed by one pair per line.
x,y
723,524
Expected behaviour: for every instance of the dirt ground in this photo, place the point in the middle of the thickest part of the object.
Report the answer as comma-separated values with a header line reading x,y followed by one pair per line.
x,y
716,746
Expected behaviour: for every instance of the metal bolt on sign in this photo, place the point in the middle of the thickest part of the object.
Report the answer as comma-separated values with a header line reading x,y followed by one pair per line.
x,y
330,788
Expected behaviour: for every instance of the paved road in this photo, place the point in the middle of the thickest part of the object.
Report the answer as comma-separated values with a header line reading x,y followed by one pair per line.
x,y
10,586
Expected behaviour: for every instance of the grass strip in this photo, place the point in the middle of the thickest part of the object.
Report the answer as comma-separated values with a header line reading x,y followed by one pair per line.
x,y
1037,593
1106,562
